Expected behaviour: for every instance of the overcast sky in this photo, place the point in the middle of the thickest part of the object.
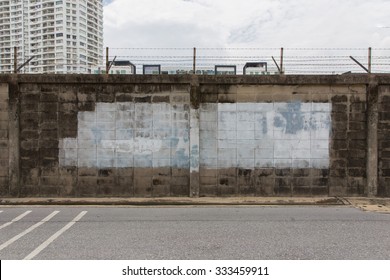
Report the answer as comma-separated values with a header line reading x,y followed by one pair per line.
x,y
247,23
251,24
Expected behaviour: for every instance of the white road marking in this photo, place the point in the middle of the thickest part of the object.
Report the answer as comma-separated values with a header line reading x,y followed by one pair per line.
x,y
1,211
54,236
16,219
20,235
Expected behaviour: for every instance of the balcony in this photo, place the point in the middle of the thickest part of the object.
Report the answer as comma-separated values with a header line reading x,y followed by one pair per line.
x,y
48,50
49,56
35,46
48,24
48,37
48,44
48,18
48,30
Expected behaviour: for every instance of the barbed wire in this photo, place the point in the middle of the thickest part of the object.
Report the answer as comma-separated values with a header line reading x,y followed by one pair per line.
x,y
294,60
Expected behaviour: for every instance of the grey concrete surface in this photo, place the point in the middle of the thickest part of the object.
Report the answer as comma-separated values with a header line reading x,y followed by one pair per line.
x,y
202,232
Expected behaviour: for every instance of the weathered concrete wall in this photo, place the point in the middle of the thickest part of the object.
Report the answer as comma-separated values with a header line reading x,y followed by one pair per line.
x,y
384,141
88,140
4,145
265,135
193,135
128,134
283,140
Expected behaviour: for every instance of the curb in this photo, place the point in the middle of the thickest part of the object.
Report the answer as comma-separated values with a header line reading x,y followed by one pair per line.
x,y
331,201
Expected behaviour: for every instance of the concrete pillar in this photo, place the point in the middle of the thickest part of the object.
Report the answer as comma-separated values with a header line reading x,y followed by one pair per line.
x,y
194,138
194,153
372,139
14,138
4,140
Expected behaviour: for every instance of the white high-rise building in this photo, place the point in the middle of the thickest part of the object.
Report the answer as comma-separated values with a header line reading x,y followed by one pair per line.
x,y
63,36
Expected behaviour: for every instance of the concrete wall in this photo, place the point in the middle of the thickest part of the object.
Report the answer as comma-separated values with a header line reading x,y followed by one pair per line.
x,y
265,135
4,151
128,134
384,141
285,140
194,135
88,140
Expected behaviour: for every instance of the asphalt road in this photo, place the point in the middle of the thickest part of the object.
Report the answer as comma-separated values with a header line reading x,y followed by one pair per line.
x,y
193,233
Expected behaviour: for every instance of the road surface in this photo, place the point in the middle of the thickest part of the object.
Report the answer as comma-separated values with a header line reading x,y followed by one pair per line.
x,y
120,233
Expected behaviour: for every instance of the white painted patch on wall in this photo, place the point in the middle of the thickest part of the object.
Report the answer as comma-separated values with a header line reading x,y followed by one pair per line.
x,y
245,135
120,135
265,135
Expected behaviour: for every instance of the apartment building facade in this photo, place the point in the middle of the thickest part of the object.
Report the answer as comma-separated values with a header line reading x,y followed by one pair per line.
x,y
62,36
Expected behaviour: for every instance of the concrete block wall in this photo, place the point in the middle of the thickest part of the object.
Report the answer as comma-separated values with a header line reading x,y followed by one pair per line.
x,y
265,135
84,140
282,140
128,134
349,143
4,136
151,136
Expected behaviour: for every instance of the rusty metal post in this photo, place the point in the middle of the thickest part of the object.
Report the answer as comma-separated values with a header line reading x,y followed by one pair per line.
x,y
281,61
194,64
15,60
107,62
358,63
369,59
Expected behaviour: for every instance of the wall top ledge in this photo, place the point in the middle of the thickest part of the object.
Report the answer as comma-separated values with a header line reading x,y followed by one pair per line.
x,y
346,79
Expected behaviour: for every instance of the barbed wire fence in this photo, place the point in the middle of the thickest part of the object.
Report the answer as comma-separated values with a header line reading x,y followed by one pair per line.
x,y
203,61
285,60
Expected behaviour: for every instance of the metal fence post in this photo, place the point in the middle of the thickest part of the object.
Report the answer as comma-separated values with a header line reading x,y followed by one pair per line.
x,y
281,61
107,63
194,64
369,59
15,60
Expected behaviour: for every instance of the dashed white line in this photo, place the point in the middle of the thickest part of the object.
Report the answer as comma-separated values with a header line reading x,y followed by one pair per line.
x,y
20,235
16,219
54,236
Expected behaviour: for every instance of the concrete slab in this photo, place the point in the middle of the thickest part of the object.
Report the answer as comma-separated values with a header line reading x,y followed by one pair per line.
x,y
380,205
